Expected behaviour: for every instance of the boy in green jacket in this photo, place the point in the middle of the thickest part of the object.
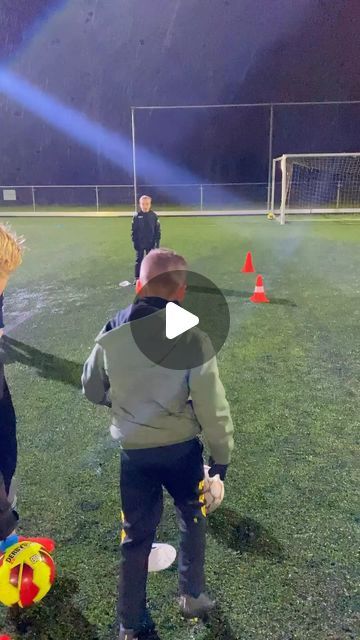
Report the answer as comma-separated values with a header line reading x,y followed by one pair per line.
x,y
158,430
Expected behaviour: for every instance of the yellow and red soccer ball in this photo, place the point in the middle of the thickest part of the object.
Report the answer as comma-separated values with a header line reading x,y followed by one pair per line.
x,y
27,572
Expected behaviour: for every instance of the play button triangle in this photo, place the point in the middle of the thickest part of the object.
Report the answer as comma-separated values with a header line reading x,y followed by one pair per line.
x,y
178,320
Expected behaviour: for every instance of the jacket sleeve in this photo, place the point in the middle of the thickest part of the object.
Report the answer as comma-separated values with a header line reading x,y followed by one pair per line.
x,y
95,381
157,236
212,410
8,517
134,234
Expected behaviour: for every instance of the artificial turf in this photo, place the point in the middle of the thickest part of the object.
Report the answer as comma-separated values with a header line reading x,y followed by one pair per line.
x,y
282,550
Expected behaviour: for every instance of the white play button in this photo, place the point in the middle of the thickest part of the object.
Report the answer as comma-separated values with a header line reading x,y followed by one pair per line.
x,y
178,320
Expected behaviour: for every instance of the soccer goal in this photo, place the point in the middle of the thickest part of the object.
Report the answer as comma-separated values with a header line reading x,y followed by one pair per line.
x,y
315,183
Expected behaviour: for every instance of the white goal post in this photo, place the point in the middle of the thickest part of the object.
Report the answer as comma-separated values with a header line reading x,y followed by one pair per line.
x,y
313,183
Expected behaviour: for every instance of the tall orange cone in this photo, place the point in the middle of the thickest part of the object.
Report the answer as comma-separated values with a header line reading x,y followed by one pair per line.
x,y
248,264
259,293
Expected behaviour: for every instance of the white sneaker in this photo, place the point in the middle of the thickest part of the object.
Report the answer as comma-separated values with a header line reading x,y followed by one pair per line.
x,y
161,557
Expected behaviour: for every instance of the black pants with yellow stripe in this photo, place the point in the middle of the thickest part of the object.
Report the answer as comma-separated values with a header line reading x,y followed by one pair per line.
x,y
144,473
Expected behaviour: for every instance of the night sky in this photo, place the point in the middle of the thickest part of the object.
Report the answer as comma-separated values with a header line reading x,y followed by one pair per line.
x,y
99,57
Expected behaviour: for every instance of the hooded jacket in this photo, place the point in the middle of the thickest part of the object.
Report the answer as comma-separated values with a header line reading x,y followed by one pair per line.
x,y
150,403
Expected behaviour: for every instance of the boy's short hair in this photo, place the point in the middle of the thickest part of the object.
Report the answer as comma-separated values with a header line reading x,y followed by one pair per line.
x,y
164,269
11,250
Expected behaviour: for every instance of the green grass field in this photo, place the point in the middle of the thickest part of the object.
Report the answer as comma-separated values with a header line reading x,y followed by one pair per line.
x,y
282,551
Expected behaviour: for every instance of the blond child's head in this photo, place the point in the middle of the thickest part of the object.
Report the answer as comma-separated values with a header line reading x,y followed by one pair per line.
x,y
163,274
145,203
11,249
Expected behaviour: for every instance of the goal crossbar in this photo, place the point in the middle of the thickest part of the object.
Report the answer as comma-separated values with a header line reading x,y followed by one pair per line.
x,y
318,155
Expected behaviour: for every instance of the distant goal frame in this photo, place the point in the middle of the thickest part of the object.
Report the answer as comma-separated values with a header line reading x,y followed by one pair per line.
x,y
282,211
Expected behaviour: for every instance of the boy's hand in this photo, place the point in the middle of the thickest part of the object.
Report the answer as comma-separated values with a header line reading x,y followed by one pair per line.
x,y
8,542
220,469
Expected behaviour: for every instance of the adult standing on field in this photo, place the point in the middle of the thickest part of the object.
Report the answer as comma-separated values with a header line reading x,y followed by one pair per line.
x,y
145,232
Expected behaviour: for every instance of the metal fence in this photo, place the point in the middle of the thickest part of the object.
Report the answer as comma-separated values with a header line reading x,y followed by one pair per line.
x,y
275,128
171,145
54,199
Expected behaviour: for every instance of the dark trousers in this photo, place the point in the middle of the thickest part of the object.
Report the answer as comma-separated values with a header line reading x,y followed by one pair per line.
x,y
1,311
179,468
8,443
139,257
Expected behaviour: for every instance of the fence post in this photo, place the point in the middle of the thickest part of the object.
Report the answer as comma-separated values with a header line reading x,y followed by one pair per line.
x,y
133,135
97,198
271,141
33,198
201,197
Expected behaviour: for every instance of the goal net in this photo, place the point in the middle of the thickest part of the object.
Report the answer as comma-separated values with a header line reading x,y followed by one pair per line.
x,y
316,183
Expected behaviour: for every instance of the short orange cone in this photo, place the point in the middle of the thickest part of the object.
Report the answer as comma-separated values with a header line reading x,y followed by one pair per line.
x,y
259,293
248,264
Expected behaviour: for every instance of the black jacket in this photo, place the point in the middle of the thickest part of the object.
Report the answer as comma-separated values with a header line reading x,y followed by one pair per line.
x,y
8,517
145,231
141,308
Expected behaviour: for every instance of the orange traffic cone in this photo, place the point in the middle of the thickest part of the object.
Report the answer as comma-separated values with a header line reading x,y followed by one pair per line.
x,y
259,293
248,264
